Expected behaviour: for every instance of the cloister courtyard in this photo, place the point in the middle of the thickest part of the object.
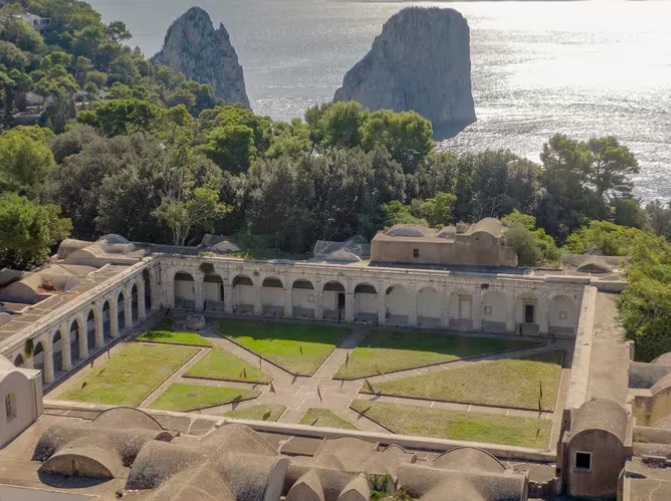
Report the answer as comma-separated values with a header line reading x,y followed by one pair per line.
x,y
506,390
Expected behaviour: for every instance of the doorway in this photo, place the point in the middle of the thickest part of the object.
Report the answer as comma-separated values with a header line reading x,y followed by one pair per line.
x,y
529,314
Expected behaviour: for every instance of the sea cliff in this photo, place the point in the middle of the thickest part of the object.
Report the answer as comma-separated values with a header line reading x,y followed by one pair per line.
x,y
206,55
420,61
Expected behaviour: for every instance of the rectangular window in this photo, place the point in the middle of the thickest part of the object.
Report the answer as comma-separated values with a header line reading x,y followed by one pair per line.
x,y
415,253
488,310
583,461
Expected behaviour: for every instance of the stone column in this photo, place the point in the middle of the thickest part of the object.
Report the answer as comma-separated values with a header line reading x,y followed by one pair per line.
x,y
382,306
82,332
414,299
156,289
199,300
48,362
445,308
510,318
319,301
65,348
288,301
114,318
543,314
98,322
349,306
477,309
228,298
141,309
128,307
258,297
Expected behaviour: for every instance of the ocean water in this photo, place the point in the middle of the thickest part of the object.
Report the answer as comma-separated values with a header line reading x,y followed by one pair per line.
x,y
580,68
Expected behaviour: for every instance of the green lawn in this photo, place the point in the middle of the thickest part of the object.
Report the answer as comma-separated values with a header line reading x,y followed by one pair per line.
x,y
131,374
385,351
297,348
164,333
514,382
325,418
457,425
190,397
267,412
221,365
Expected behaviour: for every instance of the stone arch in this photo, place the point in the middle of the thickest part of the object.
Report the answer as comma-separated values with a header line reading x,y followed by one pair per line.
x,y
185,290
527,313
494,311
365,303
91,327
19,361
213,292
303,298
39,358
562,315
57,347
244,295
333,300
121,310
397,305
461,309
75,341
146,277
134,300
106,317
429,306
272,296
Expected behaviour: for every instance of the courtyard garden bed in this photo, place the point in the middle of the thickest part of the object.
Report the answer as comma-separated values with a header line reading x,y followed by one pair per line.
x,y
262,412
325,418
513,382
220,365
382,352
297,348
181,397
130,375
165,333
457,425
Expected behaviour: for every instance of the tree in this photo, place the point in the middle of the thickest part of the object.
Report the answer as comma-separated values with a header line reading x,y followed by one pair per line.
x,y
27,230
611,168
336,125
645,305
659,216
197,208
524,244
437,211
231,147
544,247
406,135
609,238
114,117
25,160
628,212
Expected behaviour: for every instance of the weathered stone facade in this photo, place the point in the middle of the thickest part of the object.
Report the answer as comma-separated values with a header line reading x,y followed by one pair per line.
x,y
543,306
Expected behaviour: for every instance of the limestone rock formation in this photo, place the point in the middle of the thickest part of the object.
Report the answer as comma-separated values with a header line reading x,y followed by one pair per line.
x,y
206,55
420,61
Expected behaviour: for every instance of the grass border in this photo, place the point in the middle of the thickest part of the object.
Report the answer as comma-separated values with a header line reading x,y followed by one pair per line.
x,y
292,373
363,391
549,444
435,364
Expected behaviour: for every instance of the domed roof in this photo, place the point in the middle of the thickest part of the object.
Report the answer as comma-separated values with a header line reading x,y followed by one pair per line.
x,y
408,230
601,414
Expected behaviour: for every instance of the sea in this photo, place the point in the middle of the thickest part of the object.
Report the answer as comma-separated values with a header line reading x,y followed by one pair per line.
x,y
582,68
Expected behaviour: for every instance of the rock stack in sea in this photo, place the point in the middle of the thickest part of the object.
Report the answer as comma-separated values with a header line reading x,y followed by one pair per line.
x,y
204,54
420,61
